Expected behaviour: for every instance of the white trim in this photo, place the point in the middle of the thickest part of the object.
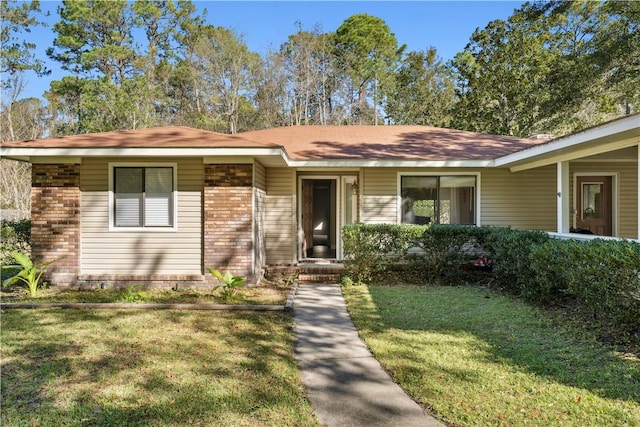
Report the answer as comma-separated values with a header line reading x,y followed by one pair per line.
x,y
605,130
477,196
615,209
343,210
299,230
390,163
638,195
173,228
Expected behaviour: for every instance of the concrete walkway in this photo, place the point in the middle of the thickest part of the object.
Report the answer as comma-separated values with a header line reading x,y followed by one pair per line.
x,y
345,383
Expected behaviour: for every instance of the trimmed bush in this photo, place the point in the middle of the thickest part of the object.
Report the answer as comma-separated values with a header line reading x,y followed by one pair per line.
x,y
372,249
605,279
511,251
445,250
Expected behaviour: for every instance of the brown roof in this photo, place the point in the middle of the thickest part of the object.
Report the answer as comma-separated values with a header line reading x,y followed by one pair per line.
x,y
388,143
160,137
310,142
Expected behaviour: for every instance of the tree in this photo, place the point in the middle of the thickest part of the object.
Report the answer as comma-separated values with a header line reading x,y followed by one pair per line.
x,y
552,67
308,60
223,73
367,51
16,56
423,93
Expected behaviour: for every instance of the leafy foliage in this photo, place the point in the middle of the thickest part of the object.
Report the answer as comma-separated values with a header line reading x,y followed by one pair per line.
x,y
372,249
30,273
15,236
228,283
601,277
134,293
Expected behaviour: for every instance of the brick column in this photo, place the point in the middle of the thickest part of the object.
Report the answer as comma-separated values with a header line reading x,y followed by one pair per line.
x,y
228,219
55,220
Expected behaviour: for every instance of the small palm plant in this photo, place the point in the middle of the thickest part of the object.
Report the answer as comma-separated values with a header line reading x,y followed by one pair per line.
x,y
30,274
228,282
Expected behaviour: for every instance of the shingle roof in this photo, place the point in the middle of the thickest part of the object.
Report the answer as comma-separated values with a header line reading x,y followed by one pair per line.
x,y
159,137
387,142
310,142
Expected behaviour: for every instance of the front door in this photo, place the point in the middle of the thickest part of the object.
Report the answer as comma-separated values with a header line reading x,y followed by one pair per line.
x,y
594,204
318,218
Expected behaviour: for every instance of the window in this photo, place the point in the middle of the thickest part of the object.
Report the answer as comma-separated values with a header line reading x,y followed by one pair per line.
x,y
438,199
143,196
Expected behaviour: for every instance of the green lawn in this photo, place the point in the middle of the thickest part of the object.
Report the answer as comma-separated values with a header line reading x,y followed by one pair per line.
x,y
150,368
477,358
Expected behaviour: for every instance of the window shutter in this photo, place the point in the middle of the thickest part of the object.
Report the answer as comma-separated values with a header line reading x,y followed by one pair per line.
x,y
158,197
128,210
128,197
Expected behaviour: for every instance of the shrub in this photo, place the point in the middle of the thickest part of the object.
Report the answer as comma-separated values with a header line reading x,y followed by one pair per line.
x,y
444,250
511,250
605,279
371,249
550,265
14,236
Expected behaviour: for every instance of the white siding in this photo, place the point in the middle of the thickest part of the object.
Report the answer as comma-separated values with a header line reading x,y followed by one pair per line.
x,y
627,187
105,252
280,223
524,199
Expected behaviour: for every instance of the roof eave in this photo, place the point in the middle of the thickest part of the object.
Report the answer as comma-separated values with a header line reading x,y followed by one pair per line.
x,y
617,134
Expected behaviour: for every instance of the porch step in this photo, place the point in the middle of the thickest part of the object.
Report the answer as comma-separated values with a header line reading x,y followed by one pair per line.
x,y
308,272
319,278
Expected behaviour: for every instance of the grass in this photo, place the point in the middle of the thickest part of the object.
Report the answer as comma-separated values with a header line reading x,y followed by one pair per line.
x,y
270,293
475,357
150,368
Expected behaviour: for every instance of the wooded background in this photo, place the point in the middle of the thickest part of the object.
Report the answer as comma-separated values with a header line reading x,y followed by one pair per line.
x,y
551,67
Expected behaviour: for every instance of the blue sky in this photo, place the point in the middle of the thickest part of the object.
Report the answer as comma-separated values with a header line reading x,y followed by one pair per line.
x,y
445,25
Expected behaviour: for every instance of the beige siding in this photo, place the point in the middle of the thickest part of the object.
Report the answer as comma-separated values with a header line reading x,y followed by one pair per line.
x,y
521,200
259,176
627,192
280,213
140,253
524,199
379,195
259,211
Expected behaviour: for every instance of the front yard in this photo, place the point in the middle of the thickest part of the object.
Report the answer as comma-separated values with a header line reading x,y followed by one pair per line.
x,y
475,357
159,368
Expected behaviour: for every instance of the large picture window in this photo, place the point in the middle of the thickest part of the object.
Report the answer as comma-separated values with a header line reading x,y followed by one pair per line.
x,y
143,196
438,199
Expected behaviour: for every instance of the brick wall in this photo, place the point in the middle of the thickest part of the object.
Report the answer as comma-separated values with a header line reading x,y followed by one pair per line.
x,y
55,220
228,219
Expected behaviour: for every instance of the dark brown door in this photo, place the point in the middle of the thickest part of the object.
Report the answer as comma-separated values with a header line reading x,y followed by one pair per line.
x,y
594,204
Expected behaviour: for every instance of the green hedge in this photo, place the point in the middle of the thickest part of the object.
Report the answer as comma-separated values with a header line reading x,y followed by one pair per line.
x,y
601,276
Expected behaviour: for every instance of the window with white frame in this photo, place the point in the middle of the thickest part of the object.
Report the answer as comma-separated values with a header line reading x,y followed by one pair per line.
x,y
143,196
438,199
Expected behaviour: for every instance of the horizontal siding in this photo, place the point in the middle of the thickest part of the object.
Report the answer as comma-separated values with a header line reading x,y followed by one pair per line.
x,y
259,176
279,216
379,196
524,199
627,191
140,253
